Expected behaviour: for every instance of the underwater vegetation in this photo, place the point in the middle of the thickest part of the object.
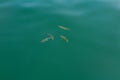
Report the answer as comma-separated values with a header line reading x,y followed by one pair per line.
x,y
51,36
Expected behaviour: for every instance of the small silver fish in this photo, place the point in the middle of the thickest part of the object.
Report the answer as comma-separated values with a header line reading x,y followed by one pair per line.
x,y
50,36
64,38
64,28
45,39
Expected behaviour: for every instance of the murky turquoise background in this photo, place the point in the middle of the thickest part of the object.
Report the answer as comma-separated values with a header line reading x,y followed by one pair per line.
x,y
93,51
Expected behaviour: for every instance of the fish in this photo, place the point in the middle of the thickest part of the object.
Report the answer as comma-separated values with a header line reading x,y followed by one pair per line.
x,y
64,28
64,38
50,36
44,40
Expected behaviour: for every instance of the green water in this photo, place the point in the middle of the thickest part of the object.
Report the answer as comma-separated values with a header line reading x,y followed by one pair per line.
x,y
93,50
